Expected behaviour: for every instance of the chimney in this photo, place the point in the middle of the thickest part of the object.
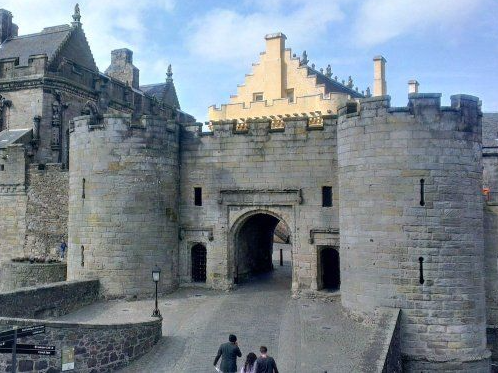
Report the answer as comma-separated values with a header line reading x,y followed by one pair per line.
x,y
413,86
380,86
7,28
122,68
274,67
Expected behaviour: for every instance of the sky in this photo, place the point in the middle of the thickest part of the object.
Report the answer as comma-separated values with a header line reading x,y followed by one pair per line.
x,y
449,46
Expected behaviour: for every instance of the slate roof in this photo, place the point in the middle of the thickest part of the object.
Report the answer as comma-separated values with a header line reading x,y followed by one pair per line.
x,y
164,92
8,137
331,85
46,42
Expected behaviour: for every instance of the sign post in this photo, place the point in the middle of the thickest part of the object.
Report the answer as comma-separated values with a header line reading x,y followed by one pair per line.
x,y
9,345
14,352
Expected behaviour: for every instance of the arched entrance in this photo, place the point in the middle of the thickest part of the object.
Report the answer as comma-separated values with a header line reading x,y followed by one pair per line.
x,y
254,250
330,269
199,256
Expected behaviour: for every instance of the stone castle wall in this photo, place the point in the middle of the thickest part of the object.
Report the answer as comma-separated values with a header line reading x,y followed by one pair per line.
x,y
18,275
490,176
123,203
13,201
258,169
386,229
46,210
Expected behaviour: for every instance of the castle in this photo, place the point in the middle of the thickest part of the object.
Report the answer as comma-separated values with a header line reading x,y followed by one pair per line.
x,y
388,199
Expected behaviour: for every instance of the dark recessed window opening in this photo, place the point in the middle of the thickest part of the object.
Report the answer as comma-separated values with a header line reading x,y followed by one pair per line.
x,y
41,166
421,270
422,192
83,189
327,196
2,167
198,196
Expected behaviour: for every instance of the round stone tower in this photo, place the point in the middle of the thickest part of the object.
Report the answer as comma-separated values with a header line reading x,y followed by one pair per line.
x,y
123,203
411,223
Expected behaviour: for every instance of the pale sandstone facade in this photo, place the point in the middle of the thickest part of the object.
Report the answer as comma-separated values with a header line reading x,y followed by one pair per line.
x,y
281,85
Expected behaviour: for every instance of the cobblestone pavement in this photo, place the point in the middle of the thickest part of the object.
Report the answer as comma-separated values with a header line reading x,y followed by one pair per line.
x,y
304,335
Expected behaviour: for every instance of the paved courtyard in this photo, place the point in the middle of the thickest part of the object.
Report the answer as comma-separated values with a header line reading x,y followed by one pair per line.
x,y
304,335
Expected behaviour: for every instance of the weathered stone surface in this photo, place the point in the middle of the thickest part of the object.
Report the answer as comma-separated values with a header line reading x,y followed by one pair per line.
x,y
17,275
127,342
385,228
123,209
48,300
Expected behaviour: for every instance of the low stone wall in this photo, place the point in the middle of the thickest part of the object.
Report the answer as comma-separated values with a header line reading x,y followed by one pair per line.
x,y
392,361
18,275
49,300
492,334
385,351
98,348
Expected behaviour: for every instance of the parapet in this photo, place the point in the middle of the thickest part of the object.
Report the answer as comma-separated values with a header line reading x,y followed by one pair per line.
x,y
464,112
10,68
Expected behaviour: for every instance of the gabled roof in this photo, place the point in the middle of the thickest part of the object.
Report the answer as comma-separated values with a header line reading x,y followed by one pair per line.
x,y
48,42
164,92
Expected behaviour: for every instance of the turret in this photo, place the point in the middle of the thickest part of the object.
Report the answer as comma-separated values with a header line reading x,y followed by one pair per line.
x,y
411,227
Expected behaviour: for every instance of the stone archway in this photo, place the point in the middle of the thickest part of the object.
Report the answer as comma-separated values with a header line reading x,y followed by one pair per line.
x,y
253,236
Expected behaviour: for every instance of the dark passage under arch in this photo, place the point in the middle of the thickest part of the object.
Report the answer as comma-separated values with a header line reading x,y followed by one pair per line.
x,y
254,246
330,268
199,258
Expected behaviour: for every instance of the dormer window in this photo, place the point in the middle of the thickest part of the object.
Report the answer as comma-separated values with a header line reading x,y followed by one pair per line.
x,y
258,96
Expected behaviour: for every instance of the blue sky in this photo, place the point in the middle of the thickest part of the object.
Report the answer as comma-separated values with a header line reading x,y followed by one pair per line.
x,y
449,46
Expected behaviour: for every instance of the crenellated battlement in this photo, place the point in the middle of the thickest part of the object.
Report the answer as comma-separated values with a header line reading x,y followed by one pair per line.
x,y
10,68
464,114
279,107
145,126
300,123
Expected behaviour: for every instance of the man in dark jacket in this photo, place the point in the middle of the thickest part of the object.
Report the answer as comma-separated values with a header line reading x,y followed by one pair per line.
x,y
265,363
228,353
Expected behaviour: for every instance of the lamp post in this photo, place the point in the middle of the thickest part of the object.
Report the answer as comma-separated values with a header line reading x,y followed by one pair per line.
x,y
156,275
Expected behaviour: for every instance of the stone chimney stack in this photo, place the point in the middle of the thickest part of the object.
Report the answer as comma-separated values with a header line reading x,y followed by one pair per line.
x,y
274,66
413,86
380,85
7,28
122,68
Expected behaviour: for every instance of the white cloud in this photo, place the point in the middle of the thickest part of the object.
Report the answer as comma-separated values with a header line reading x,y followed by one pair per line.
x,y
228,36
381,20
108,24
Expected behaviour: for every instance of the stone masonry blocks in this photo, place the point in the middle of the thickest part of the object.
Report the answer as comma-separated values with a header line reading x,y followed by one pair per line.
x,y
123,192
387,225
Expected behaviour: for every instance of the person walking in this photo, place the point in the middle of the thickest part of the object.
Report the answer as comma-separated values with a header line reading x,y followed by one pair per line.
x,y
62,249
265,363
250,364
228,352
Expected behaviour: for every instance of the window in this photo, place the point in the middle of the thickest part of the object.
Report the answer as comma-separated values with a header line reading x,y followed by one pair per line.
x,y
258,96
290,95
198,196
327,196
2,167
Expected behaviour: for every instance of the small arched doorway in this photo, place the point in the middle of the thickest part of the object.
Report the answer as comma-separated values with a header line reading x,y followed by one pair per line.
x,y
254,250
330,269
198,260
